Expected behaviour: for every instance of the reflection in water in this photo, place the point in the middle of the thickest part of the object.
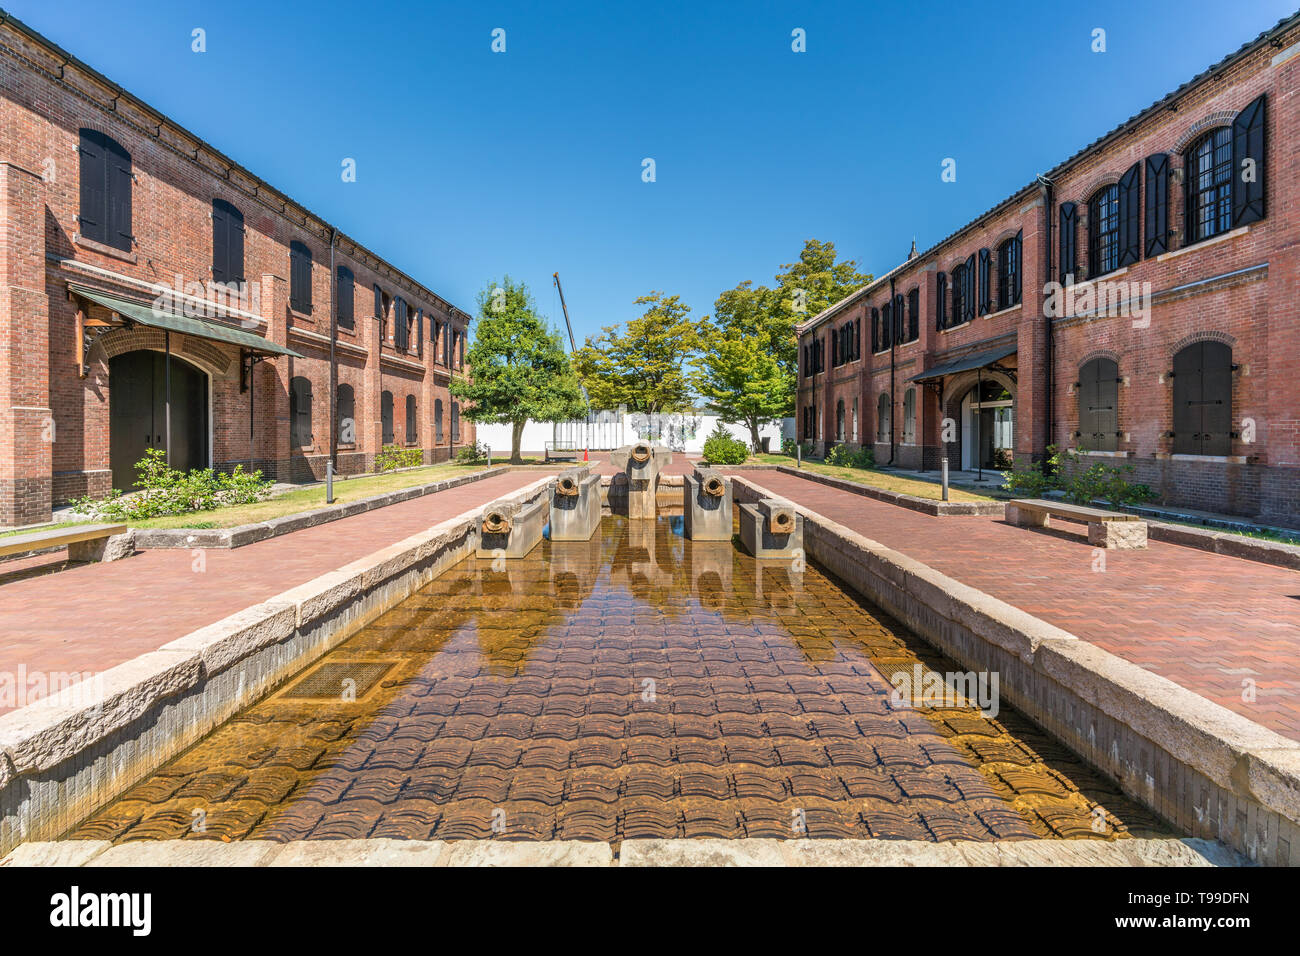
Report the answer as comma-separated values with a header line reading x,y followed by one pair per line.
x,y
635,685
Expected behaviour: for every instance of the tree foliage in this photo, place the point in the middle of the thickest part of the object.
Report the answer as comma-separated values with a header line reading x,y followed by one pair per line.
x,y
749,364
646,366
518,365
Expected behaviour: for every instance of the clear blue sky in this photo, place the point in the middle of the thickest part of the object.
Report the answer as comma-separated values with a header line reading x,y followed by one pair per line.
x,y
471,164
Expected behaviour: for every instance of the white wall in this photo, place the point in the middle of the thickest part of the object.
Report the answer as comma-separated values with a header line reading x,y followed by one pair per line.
x,y
682,431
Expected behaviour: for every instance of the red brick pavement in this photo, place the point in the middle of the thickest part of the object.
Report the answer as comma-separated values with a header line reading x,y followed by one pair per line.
x,y
90,617
1203,620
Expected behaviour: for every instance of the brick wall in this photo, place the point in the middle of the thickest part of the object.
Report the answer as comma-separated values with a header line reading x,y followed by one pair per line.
x,y
54,423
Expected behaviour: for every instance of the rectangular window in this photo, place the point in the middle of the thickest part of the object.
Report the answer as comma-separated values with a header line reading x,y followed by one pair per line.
x,y
914,315
106,181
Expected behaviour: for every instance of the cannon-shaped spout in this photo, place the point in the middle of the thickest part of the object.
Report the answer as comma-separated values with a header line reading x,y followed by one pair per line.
x,y
570,481
641,452
497,520
711,482
780,516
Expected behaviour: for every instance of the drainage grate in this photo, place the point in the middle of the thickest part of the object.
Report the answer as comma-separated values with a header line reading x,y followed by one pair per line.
x,y
343,680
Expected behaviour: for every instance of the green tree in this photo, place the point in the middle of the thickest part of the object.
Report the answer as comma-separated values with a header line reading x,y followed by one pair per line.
x,y
518,365
741,377
750,363
647,366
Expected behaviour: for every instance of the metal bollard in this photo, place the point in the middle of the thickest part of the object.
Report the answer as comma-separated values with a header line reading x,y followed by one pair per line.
x,y
944,467
489,451
329,481
798,455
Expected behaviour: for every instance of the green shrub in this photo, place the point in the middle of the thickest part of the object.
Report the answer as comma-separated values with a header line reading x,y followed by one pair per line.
x,y
391,457
844,457
1082,483
472,454
788,446
722,448
167,491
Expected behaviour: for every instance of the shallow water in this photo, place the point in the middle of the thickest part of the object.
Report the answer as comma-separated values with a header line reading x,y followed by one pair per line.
x,y
638,685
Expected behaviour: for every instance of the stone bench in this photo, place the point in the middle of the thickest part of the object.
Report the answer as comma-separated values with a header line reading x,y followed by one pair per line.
x,y
85,542
1106,529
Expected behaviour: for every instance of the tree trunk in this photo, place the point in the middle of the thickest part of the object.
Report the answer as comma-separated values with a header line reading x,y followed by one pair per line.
x,y
516,436
753,434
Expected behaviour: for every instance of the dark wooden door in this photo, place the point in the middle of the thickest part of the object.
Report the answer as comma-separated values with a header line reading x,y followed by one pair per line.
x,y
137,413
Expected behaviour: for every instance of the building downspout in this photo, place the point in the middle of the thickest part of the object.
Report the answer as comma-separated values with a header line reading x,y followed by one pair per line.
x,y
334,364
1048,203
893,345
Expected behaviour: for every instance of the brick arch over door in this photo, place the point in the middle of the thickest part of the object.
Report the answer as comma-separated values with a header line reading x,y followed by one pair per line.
x,y
209,358
953,393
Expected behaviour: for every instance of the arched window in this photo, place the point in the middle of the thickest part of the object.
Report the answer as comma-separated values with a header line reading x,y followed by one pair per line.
x,y
386,416
1099,405
1009,272
346,407
299,277
909,417
1203,399
839,420
437,421
1208,166
412,423
106,180
300,411
883,424
1103,231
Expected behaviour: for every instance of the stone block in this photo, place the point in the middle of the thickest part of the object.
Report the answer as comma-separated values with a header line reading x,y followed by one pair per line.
x,y
1119,535
509,529
759,539
707,506
112,548
575,505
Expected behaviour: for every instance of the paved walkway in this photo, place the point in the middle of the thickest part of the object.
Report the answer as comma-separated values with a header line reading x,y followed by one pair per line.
x,y
1206,621
93,616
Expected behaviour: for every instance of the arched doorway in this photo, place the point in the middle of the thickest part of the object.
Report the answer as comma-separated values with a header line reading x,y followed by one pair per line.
x,y
987,426
138,413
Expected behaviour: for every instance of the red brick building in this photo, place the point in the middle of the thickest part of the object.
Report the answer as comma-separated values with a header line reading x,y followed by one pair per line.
x,y
1137,302
154,293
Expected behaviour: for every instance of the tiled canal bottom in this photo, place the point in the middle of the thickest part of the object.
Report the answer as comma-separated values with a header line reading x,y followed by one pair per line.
x,y
639,685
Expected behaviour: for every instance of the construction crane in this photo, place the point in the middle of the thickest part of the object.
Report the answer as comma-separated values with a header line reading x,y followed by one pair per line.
x,y
573,347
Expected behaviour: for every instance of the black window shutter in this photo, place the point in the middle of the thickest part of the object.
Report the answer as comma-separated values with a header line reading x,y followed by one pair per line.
x,y
1130,216
235,244
900,318
379,302
875,330
1248,144
93,221
1069,241
835,348
914,315
968,289
300,277
1187,400
419,332
1216,399
220,243
986,284
119,195
1018,258
346,295
940,299
1157,205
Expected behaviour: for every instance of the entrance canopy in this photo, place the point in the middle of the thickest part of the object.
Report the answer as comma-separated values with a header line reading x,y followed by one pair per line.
x,y
126,312
976,360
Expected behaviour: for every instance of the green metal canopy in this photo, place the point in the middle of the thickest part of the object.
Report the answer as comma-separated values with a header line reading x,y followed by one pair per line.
x,y
146,314
976,360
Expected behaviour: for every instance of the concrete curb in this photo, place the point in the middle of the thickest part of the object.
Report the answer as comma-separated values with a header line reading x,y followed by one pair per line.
x,y
244,534
633,853
65,756
1226,543
1208,770
939,509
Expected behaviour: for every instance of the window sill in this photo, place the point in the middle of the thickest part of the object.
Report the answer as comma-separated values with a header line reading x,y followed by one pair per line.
x,y
1007,311
1210,459
956,328
1102,454
303,316
104,250
348,447
1108,277
1204,243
